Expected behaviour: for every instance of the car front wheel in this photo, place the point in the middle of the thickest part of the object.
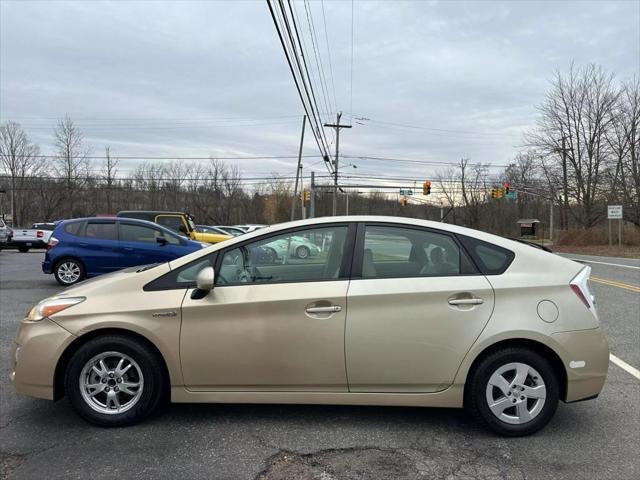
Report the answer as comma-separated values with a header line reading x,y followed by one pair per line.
x,y
302,252
114,381
513,391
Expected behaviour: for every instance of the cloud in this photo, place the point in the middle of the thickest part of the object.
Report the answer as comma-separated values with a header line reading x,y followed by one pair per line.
x,y
199,78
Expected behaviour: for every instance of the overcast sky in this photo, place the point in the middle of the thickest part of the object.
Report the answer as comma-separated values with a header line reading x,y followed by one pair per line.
x,y
200,78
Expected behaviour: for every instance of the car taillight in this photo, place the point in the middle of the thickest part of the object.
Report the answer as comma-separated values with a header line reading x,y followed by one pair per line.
x,y
53,241
39,234
580,286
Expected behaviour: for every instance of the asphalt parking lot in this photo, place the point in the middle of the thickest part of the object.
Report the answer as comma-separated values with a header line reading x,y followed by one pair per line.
x,y
596,439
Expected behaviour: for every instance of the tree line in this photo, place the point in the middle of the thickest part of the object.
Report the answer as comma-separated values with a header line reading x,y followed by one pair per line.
x,y
581,155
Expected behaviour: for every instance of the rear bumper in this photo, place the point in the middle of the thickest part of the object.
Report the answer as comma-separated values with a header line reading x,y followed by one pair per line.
x,y
585,355
47,266
26,243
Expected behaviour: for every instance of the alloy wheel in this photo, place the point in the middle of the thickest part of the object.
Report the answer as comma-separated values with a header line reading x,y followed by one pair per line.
x,y
69,272
516,393
111,383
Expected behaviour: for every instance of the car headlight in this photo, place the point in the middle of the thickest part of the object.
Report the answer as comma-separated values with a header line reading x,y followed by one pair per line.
x,y
51,306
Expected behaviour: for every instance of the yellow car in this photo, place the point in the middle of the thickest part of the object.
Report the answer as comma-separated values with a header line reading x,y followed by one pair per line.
x,y
179,222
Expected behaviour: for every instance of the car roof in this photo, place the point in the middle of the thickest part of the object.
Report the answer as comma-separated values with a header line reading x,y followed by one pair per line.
x,y
149,212
116,219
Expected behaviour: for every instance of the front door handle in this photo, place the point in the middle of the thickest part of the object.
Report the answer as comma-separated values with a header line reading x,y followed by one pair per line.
x,y
128,249
328,309
466,301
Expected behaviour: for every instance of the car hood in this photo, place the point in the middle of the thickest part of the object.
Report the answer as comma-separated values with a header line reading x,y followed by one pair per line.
x,y
86,287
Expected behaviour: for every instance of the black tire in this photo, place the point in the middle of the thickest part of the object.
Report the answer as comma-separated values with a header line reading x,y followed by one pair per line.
x,y
22,249
149,363
477,390
58,275
303,252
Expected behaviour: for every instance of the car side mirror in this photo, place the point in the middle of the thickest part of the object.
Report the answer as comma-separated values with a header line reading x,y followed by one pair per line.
x,y
162,241
205,281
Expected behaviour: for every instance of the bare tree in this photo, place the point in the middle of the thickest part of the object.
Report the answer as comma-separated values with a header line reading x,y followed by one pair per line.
x,y
19,160
575,118
473,189
624,140
108,176
71,159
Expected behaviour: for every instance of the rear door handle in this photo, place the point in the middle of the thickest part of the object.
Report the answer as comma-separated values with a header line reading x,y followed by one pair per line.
x,y
466,301
329,309
83,244
128,249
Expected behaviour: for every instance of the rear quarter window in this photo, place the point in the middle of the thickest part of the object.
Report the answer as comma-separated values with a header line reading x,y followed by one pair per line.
x,y
490,259
73,228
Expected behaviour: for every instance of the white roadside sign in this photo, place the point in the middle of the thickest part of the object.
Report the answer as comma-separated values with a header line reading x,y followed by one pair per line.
x,y
614,212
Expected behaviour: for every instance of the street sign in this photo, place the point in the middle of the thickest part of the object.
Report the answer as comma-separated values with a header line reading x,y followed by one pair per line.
x,y
512,195
614,212
406,191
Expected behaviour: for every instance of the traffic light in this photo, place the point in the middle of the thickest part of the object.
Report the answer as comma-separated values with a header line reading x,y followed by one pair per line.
x,y
307,198
497,192
505,187
426,188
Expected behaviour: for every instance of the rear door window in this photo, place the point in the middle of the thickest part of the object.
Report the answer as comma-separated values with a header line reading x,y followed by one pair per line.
x,y
101,231
396,252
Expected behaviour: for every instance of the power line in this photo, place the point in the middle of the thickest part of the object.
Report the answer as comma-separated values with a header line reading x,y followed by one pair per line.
x,y
319,67
143,157
419,162
351,76
297,56
326,36
441,131
316,131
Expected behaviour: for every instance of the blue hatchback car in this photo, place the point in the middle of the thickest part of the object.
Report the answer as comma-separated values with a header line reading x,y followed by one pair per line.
x,y
86,247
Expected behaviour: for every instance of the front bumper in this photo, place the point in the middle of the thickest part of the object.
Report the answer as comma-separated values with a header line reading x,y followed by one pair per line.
x,y
585,355
34,356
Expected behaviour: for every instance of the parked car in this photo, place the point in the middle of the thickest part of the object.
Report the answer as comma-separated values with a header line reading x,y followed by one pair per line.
x,y
214,230
86,247
233,231
250,227
4,233
51,226
507,332
37,236
292,247
180,222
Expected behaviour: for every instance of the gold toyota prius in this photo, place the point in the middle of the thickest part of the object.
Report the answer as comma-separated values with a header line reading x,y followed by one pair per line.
x,y
388,311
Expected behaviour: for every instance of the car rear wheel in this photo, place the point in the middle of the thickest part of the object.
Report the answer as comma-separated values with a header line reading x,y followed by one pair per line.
x,y
23,249
68,272
114,381
302,252
513,391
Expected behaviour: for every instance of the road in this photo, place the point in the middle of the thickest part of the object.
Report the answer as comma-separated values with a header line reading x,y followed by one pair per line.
x,y
596,439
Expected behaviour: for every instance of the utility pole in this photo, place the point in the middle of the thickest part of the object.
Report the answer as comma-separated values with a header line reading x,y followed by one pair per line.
x,y
337,126
565,207
551,220
298,169
312,206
